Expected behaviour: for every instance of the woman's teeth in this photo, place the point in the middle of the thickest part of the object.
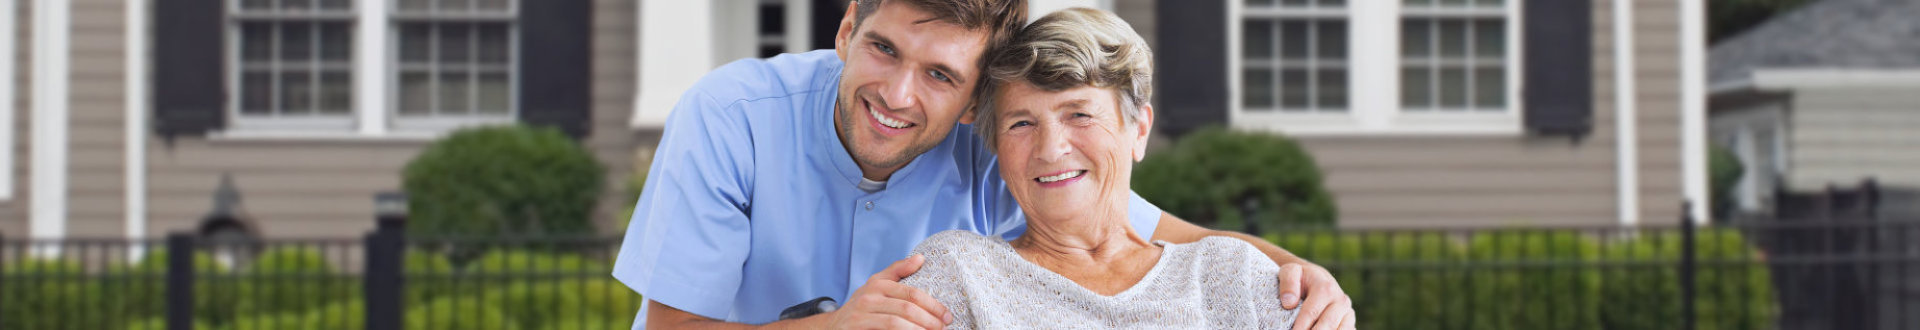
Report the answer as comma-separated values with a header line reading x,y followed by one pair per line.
x,y
889,122
1061,176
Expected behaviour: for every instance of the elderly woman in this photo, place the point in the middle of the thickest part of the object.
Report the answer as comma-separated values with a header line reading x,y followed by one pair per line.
x,y
1067,112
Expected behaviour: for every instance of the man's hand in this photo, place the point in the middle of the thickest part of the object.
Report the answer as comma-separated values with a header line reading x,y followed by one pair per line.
x,y
1326,308
884,303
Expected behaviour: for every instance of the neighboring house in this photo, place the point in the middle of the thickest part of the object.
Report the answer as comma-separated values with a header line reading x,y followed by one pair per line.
x,y
126,113
1421,112
1827,94
1433,113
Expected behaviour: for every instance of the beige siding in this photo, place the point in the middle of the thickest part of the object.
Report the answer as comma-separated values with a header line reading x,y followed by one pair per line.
x,y
1844,134
1431,181
13,212
325,189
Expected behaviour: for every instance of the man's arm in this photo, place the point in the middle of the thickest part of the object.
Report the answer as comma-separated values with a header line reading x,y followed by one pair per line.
x,y
1326,306
882,303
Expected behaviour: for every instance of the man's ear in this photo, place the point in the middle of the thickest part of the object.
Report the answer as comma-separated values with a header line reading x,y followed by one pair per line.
x,y
1145,129
966,117
845,35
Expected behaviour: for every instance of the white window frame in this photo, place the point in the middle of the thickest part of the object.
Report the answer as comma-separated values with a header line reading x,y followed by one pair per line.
x,y
375,58
1373,67
437,122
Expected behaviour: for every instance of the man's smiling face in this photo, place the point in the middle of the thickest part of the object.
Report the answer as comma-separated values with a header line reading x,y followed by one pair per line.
x,y
907,80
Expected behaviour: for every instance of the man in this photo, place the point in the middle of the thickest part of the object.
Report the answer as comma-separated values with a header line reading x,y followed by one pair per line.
x,y
804,176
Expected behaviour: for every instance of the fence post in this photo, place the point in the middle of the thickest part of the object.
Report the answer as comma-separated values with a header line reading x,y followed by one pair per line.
x,y
1687,266
180,274
385,284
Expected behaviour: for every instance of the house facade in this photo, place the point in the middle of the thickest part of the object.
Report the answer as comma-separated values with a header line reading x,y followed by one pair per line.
x,y
1824,95
126,114
1426,113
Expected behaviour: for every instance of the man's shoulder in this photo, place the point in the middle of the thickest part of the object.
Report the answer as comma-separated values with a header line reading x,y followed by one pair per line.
x,y
779,77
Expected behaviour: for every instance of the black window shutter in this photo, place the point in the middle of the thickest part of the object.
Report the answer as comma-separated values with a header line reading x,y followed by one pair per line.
x,y
1190,65
189,85
556,64
1558,81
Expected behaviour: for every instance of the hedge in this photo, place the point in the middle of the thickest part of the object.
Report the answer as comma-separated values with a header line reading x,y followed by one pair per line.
x,y
1538,280
1213,175
503,181
292,279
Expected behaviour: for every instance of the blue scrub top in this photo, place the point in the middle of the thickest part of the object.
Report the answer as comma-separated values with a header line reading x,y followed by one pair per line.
x,y
751,204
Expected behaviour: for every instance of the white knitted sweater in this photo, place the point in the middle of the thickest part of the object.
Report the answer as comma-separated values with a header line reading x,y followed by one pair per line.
x,y
1216,283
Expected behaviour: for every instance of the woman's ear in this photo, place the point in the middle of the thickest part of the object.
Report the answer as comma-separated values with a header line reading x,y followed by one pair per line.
x,y
1144,128
841,38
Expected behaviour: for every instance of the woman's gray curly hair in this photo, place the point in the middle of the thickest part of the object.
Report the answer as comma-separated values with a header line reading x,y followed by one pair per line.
x,y
1068,49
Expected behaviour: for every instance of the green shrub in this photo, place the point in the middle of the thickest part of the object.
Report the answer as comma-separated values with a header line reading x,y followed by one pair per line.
x,y
535,304
292,279
590,323
160,323
52,293
1724,171
1646,278
141,287
1520,296
1211,176
514,261
610,299
503,181
344,315
1416,297
1735,290
283,321
429,275
463,313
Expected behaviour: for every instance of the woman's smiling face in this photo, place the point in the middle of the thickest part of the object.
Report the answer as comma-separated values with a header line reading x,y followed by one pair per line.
x,y
1065,153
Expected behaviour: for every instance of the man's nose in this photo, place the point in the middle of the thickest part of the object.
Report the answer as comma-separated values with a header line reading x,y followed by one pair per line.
x,y
899,93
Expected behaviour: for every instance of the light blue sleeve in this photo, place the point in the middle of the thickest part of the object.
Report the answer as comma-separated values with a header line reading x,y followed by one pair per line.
x,y
689,236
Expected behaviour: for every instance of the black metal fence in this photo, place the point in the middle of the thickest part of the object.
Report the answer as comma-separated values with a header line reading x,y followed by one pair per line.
x,y
385,280
1824,272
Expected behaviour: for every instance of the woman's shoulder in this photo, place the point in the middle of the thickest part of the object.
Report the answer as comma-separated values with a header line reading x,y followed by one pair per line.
x,y
1222,250
953,243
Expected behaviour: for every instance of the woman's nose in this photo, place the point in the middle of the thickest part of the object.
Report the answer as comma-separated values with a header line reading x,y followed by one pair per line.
x,y
1053,144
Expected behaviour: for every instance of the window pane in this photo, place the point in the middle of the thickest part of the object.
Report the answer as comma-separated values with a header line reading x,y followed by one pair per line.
x,y
1333,3
1292,3
1494,3
1259,39
416,93
1293,40
1333,89
1489,39
1416,38
1258,94
456,5
1453,39
256,41
1411,3
296,5
336,42
256,93
495,94
336,92
495,44
1259,3
1453,88
494,5
1333,40
416,42
1451,3
456,42
1293,89
455,93
256,4
296,92
336,4
296,41
1416,88
414,4
1490,88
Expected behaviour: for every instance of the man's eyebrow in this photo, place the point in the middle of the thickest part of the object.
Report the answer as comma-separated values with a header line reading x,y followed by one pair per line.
x,y
876,36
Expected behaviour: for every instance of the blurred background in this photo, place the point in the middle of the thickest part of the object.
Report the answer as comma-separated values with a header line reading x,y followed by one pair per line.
x,y
471,164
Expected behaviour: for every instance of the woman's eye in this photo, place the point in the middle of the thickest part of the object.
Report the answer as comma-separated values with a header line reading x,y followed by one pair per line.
x,y
1081,115
941,76
1019,124
884,49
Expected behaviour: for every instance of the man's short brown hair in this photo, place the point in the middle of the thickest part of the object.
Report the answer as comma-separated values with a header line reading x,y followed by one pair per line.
x,y
1000,18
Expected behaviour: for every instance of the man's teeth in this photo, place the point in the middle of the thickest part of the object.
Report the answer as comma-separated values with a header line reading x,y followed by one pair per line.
x,y
886,121
1061,176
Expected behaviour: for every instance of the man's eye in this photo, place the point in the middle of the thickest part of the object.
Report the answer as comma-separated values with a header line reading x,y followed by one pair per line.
x,y
941,76
883,48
